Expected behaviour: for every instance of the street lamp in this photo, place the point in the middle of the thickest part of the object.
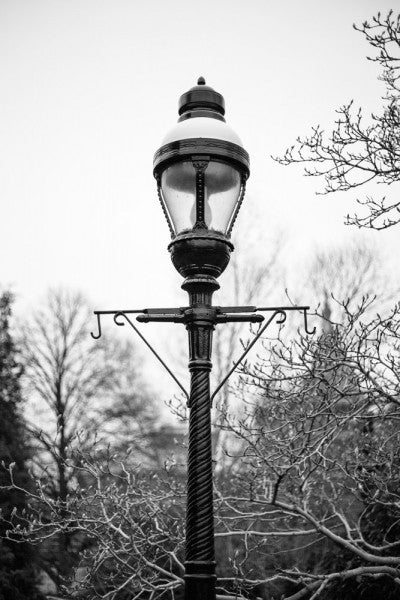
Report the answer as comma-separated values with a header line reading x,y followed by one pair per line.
x,y
201,171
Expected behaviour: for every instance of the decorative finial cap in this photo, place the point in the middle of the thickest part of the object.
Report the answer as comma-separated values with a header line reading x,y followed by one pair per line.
x,y
202,98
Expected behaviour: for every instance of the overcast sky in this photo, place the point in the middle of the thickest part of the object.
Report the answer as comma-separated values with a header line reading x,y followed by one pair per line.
x,y
88,90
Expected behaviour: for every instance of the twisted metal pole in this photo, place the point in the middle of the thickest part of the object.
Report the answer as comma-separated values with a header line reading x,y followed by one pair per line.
x,y
200,575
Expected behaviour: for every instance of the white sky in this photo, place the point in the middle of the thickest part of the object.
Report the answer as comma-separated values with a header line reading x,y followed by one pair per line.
x,y
88,90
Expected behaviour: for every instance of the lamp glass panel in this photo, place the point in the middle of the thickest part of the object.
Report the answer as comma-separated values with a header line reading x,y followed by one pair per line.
x,y
222,191
178,184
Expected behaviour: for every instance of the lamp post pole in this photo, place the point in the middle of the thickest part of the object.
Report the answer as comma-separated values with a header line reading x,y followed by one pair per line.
x,y
200,555
200,319
201,171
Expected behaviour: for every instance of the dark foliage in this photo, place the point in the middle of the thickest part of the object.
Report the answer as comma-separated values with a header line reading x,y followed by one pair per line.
x,y
17,569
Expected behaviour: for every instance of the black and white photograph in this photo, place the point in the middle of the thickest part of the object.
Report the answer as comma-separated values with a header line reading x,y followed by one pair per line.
x,y
199,300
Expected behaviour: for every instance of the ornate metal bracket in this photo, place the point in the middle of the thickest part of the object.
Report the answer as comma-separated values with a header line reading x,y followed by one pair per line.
x,y
98,314
284,309
118,314
276,310
220,314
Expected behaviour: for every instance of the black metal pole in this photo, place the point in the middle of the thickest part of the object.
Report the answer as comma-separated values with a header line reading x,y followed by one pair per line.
x,y
200,575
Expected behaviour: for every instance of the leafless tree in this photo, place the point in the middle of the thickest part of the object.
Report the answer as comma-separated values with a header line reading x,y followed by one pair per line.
x,y
79,392
311,507
132,525
76,388
320,461
350,273
358,150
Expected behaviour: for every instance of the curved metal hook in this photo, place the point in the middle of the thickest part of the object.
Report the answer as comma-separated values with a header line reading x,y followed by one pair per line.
x,y
283,314
306,323
120,323
96,337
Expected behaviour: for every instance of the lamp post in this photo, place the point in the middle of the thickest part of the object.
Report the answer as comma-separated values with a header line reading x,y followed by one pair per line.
x,y
201,171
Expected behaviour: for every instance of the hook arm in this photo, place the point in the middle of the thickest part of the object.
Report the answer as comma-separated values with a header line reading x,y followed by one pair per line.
x,y
283,309
98,335
306,323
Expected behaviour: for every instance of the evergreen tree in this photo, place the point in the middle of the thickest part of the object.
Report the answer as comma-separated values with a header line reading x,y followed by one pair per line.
x,y
17,570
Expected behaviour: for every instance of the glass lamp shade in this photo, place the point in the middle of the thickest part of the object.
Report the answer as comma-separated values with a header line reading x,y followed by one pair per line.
x,y
201,167
222,187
